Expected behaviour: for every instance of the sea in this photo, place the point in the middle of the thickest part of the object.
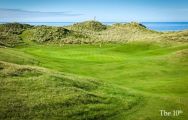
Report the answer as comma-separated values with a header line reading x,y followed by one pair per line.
x,y
158,26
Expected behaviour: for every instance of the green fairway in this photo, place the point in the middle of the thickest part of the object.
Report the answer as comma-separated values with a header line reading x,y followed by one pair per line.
x,y
132,81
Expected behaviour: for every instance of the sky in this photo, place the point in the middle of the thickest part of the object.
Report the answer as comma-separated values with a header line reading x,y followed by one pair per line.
x,y
101,10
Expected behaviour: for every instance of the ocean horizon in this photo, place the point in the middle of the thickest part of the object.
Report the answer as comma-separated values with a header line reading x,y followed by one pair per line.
x,y
158,26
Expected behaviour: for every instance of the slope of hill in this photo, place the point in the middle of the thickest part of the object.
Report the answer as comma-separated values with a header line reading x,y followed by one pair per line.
x,y
89,32
88,26
54,35
38,93
122,33
9,33
113,81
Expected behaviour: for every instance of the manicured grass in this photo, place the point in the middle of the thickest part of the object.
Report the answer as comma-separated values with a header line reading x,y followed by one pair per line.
x,y
136,80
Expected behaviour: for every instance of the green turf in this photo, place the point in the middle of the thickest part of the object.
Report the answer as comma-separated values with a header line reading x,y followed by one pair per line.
x,y
132,81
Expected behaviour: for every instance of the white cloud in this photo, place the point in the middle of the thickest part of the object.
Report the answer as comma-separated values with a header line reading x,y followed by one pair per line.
x,y
22,15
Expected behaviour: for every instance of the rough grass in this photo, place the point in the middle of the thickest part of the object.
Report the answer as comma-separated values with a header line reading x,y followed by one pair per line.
x,y
88,26
133,80
36,93
113,81
9,34
88,32
54,35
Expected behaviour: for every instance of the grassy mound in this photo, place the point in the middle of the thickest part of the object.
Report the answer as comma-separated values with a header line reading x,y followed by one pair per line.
x,y
132,25
89,32
9,33
12,70
180,56
42,34
36,93
179,36
14,28
122,33
121,81
9,40
88,25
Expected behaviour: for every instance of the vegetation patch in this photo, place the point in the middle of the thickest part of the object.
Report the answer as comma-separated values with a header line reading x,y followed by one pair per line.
x,y
45,34
132,25
11,70
88,25
180,56
92,80
88,32
47,94
9,33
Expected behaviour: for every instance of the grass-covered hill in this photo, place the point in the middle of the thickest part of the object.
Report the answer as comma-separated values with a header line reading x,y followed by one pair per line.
x,y
130,81
88,26
36,93
57,35
89,32
10,33
86,80
127,32
122,33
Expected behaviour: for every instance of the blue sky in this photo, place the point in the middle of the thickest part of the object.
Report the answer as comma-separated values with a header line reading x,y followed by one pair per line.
x,y
104,10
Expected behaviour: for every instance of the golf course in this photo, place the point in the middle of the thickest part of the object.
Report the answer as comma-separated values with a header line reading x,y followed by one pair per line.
x,y
92,71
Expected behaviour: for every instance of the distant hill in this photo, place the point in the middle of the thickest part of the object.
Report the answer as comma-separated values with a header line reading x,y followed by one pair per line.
x,y
88,32
132,25
14,28
88,25
46,34
9,33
